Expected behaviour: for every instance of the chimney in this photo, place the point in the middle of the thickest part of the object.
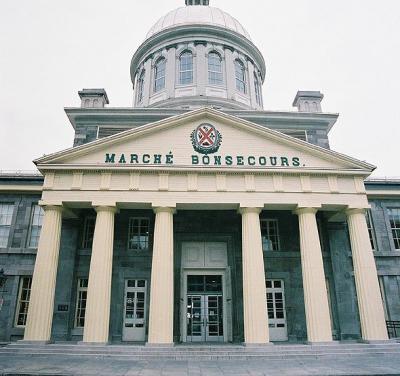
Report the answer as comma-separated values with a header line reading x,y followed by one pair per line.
x,y
93,98
308,101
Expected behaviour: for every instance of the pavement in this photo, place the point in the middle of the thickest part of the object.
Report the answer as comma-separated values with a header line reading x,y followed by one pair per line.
x,y
26,365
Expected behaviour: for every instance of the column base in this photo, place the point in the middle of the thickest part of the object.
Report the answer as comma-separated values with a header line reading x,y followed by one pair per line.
x,y
147,344
32,342
257,344
322,343
82,343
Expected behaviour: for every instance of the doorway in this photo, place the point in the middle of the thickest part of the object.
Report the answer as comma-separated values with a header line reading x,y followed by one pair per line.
x,y
276,310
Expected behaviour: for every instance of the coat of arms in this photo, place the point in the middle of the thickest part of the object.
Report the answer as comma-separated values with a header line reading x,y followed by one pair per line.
x,y
206,139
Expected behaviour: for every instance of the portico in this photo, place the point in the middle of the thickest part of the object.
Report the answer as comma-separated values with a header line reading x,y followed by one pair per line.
x,y
320,181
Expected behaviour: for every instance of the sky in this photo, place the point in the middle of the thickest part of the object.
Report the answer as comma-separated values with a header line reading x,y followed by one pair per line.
x,y
347,49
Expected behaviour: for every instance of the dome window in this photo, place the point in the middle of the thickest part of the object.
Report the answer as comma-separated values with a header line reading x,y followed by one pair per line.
x,y
186,68
159,75
240,76
197,2
214,69
140,85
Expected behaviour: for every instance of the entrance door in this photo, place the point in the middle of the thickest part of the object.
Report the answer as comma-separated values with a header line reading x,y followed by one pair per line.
x,y
204,309
276,310
134,327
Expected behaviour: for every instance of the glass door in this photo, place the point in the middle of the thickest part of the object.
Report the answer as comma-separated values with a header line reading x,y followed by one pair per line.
x,y
276,310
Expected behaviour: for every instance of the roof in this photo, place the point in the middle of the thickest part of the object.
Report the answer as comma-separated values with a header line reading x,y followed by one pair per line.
x,y
197,15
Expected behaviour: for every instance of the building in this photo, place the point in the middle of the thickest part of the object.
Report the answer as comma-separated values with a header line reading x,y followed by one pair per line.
x,y
196,215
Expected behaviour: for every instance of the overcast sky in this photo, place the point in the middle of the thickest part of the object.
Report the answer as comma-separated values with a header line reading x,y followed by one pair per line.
x,y
347,49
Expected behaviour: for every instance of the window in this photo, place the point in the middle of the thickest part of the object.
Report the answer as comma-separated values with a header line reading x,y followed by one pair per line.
x,y
24,293
270,234
159,75
214,69
257,87
88,232
138,238
140,85
81,298
371,231
394,218
6,214
240,76
186,68
36,225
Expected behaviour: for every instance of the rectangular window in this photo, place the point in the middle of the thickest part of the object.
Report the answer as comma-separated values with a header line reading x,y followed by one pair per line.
x,y
394,218
81,297
24,293
35,226
270,234
88,232
6,214
138,236
371,231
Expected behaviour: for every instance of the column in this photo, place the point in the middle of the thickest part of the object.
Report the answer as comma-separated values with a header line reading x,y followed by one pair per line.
x,y
201,67
314,284
41,305
161,314
230,73
97,318
171,71
372,317
254,291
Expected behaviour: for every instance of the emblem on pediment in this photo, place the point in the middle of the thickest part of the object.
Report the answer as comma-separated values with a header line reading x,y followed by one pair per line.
x,y
206,139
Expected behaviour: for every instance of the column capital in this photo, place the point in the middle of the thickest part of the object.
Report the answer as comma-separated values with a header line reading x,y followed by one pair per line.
x,y
105,208
47,207
351,211
300,211
247,210
164,209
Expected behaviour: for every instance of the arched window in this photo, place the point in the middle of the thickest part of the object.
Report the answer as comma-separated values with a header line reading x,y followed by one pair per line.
x,y
240,76
257,87
140,86
186,68
214,69
159,75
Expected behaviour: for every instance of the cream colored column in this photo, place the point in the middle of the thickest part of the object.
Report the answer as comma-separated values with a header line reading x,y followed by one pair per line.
x,y
161,313
372,317
314,284
254,292
97,317
41,304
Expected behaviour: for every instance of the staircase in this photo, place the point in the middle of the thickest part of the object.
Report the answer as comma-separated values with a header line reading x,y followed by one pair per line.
x,y
203,352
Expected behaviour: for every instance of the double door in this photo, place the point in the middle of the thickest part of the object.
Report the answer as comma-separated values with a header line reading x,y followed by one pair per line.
x,y
204,318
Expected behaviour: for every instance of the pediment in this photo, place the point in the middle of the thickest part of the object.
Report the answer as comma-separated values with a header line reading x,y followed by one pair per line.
x,y
203,138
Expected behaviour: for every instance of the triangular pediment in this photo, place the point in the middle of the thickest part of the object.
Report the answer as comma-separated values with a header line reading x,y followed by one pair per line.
x,y
203,138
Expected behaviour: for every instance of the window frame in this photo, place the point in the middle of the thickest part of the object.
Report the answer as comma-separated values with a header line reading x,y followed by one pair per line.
x,y
257,89
31,225
161,78
210,71
140,219
371,229
7,226
78,307
182,71
84,239
240,82
18,304
278,240
390,228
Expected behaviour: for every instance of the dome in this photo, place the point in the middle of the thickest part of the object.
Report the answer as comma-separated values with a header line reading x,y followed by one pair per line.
x,y
198,15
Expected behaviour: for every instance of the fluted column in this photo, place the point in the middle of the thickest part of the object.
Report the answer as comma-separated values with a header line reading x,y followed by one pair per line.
x,y
254,292
162,279
372,317
41,304
97,317
314,284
